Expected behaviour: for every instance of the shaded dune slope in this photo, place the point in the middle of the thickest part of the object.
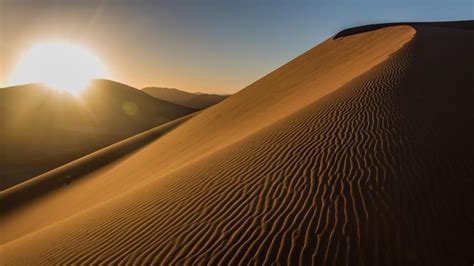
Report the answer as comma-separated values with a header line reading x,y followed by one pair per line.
x,y
376,171
44,128
14,198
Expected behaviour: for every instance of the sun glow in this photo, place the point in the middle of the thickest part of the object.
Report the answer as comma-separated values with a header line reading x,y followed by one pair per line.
x,y
60,65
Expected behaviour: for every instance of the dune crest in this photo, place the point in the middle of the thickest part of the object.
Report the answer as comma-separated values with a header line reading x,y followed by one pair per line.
x,y
357,152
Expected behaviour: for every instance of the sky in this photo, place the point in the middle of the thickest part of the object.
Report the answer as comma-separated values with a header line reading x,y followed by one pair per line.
x,y
207,46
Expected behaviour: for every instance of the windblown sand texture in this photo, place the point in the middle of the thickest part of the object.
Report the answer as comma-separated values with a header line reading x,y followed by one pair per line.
x,y
358,152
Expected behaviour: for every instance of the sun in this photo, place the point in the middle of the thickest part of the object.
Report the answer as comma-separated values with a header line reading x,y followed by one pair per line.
x,y
60,65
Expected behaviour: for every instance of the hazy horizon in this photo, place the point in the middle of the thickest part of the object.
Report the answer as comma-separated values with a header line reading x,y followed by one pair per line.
x,y
211,47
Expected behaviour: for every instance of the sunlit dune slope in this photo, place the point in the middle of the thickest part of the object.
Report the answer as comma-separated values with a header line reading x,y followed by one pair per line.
x,y
284,91
357,152
43,128
192,100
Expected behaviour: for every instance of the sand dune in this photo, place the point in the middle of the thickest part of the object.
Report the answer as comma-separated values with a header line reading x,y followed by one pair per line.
x,y
45,128
357,152
191,100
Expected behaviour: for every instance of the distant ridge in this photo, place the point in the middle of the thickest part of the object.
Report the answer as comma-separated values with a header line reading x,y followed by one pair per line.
x,y
188,99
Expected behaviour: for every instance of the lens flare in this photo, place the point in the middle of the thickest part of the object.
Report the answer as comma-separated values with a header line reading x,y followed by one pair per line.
x,y
60,65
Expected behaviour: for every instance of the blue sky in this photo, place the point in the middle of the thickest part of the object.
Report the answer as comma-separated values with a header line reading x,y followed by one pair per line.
x,y
209,46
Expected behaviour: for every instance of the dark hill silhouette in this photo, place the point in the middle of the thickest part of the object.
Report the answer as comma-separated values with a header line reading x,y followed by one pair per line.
x,y
45,128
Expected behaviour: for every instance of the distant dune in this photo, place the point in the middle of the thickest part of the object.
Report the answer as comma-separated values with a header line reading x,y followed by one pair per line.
x,y
45,128
192,100
358,152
